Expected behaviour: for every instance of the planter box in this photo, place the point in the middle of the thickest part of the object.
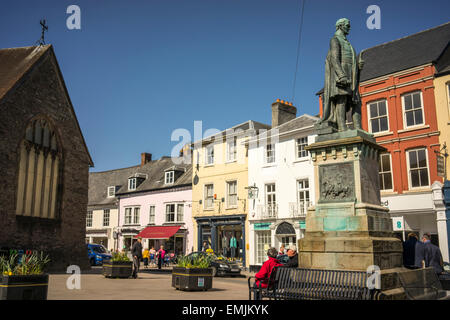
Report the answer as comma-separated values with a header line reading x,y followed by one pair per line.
x,y
190,279
117,269
32,287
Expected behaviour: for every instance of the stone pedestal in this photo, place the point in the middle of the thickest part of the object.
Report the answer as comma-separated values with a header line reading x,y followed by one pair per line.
x,y
348,229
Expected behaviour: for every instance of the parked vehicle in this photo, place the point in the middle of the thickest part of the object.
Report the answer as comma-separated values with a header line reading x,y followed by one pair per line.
x,y
97,253
220,265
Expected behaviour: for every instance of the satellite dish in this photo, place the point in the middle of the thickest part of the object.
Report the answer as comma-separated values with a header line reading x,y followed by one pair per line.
x,y
195,179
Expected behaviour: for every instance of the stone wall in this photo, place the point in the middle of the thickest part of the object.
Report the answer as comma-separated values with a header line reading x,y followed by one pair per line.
x,y
41,92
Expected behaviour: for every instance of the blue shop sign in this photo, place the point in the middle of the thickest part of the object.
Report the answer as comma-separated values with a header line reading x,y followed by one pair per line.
x,y
262,226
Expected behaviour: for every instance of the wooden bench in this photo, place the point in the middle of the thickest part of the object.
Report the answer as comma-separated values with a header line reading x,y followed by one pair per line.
x,y
312,284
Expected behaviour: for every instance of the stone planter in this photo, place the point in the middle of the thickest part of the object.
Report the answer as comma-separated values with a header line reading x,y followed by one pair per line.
x,y
192,279
28,287
117,269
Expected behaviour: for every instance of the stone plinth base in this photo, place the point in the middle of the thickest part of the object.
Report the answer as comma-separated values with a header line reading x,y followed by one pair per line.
x,y
349,252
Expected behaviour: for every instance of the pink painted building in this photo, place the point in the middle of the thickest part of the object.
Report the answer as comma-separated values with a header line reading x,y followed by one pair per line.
x,y
153,200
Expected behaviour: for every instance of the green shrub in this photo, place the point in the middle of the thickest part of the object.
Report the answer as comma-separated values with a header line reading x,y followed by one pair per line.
x,y
16,264
197,262
120,256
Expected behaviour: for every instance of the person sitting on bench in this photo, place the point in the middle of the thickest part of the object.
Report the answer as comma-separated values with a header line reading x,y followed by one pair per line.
x,y
263,276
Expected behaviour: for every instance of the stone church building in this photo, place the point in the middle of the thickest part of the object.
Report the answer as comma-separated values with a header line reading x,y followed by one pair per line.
x,y
44,160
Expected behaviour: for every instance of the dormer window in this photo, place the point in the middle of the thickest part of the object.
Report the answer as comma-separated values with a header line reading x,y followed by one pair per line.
x,y
132,183
170,176
111,191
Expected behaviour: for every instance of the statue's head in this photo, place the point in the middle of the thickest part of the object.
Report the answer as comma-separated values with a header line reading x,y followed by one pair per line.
x,y
344,25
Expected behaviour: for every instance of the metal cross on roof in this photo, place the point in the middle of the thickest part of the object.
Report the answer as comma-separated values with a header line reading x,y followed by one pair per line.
x,y
44,25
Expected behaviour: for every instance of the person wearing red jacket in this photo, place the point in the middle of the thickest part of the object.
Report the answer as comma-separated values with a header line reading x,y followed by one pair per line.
x,y
263,276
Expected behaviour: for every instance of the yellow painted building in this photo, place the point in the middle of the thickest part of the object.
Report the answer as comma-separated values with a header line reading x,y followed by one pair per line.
x,y
220,191
442,98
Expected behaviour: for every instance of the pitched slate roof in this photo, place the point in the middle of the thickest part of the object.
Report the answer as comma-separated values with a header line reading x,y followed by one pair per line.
x,y
155,171
17,63
247,125
404,53
301,122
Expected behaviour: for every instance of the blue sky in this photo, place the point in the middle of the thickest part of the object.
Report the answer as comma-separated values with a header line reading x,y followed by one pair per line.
x,y
137,70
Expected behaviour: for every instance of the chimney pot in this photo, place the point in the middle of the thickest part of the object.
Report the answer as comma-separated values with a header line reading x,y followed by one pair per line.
x,y
282,112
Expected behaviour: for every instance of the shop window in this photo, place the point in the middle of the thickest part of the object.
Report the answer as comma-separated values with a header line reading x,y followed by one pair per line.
x,y
263,243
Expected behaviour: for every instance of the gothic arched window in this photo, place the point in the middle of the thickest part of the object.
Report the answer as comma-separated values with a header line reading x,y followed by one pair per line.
x,y
39,171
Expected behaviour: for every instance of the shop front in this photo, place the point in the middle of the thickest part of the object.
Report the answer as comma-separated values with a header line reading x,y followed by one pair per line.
x,y
264,235
224,234
173,238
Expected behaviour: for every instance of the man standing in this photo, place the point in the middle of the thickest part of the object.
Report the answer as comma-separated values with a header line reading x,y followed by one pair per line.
x,y
432,253
341,90
293,257
136,252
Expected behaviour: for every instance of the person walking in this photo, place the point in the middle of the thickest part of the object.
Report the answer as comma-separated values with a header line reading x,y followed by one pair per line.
x,y
432,254
146,256
136,252
409,251
161,253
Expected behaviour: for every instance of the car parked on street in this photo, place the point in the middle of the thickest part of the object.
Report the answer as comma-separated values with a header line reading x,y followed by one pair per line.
x,y
97,253
220,265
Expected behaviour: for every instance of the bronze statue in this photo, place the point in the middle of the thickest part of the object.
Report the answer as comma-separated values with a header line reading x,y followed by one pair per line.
x,y
341,90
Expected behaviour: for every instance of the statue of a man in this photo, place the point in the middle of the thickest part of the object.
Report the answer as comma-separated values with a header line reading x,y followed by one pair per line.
x,y
341,90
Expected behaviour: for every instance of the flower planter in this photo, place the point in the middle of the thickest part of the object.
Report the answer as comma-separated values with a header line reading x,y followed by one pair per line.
x,y
192,279
28,287
117,269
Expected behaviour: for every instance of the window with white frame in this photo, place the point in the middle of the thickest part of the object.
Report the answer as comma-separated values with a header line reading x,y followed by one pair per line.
x,y
106,216
270,199
413,109
301,144
209,196
128,215
170,175
89,219
378,116
385,171
418,168
210,154
231,149
170,212
448,95
180,212
270,153
231,194
263,241
132,215
136,214
111,191
303,195
151,219
132,184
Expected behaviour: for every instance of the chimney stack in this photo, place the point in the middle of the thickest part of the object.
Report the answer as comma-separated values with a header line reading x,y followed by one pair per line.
x,y
282,111
145,157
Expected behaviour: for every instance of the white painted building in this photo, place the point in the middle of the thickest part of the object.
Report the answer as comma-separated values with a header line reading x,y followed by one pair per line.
x,y
281,177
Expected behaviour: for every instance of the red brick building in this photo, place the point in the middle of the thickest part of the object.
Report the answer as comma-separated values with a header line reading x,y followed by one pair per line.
x,y
398,107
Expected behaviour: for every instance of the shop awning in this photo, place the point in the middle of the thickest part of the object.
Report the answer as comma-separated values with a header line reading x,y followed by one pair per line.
x,y
158,232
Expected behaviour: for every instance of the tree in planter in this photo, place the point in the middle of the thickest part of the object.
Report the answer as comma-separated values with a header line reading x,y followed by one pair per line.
x,y
23,276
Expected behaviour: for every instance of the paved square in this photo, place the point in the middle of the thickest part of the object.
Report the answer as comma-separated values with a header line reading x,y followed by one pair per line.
x,y
149,286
